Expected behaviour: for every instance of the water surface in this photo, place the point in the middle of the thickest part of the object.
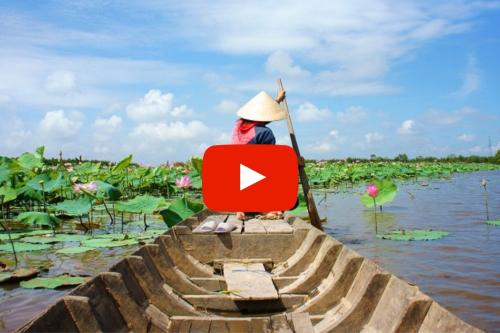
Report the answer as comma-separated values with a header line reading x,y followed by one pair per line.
x,y
462,270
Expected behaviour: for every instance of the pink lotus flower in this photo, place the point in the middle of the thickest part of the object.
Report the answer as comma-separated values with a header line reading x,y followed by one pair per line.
x,y
88,187
372,190
186,171
184,182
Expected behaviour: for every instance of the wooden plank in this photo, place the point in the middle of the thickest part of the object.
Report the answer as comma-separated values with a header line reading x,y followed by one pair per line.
x,y
277,227
200,326
237,222
220,218
301,322
249,281
254,226
279,324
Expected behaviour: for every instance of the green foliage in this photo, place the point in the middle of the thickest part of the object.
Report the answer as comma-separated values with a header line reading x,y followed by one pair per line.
x,y
411,235
23,247
105,242
7,194
38,218
197,162
44,182
387,191
4,173
107,191
494,222
179,210
53,282
143,204
123,164
30,161
301,208
77,207
41,240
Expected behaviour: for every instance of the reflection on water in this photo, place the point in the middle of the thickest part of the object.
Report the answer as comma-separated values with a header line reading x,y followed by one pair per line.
x,y
461,271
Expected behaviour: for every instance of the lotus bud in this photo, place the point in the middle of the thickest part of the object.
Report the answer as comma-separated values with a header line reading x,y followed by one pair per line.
x,y
372,190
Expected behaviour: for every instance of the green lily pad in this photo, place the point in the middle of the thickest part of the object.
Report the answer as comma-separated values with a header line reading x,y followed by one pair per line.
x,y
494,222
75,250
71,237
18,275
53,282
19,234
23,247
410,235
14,235
103,242
41,240
115,236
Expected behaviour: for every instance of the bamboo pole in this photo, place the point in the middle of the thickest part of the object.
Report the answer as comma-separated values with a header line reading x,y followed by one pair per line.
x,y
311,205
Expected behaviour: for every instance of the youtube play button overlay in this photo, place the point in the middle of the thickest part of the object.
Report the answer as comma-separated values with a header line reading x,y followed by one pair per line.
x,y
250,178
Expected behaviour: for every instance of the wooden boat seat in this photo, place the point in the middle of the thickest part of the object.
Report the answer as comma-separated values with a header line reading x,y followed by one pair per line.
x,y
249,281
252,226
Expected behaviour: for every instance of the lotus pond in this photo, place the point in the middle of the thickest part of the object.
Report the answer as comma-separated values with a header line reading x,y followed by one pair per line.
x,y
65,222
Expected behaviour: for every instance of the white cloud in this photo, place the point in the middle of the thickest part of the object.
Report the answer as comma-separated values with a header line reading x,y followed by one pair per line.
x,y
61,124
407,127
310,112
322,147
111,123
334,134
448,118
227,106
354,114
281,63
155,106
466,137
60,82
373,137
471,80
163,131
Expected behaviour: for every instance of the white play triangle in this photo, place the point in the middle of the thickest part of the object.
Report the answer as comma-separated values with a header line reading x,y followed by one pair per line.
x,y
249,177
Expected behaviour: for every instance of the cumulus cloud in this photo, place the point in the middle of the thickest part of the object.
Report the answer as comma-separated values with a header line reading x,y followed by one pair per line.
x,y
322,147
310,112
155,106
466,137
163,131
373,137
334,134
281,63
60,82
227,106
354,114
4,99
61,124
407,127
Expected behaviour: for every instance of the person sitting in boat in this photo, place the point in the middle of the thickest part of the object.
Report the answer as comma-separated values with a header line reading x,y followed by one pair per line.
x,y
251,127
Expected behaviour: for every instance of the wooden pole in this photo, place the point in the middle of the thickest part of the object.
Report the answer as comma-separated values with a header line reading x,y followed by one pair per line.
x,y
311,205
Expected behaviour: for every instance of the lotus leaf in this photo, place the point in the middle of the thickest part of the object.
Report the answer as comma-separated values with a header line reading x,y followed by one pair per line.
x,y
142,204
18,275
179,210
103,242
4,173
493,222
41,240
123,164
39,218
71,237
77,207
416,234
107,191
53,282
49,184
8,194
30,161
387,191
23,247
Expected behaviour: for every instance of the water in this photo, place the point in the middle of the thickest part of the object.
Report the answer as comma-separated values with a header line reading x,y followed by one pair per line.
x,y
460,271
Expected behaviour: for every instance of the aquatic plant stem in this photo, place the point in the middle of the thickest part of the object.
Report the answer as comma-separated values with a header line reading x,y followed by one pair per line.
x,y
486,202
82,224
109,213
8,232
375,214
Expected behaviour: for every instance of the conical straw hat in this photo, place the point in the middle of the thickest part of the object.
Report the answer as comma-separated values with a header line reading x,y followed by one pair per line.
x,y
262,108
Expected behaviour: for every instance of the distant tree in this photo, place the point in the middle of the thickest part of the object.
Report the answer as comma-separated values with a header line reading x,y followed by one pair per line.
x,y
401,158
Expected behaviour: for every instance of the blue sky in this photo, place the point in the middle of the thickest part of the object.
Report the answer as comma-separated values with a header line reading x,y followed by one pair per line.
x,y
163,80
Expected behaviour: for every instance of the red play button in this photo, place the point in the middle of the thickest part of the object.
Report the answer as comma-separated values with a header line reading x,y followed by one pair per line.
x,y
250,178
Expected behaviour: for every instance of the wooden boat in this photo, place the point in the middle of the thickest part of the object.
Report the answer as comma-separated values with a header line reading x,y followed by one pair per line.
x,y
266,276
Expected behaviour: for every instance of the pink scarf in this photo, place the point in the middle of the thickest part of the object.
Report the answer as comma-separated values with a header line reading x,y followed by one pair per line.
x,y
244,131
